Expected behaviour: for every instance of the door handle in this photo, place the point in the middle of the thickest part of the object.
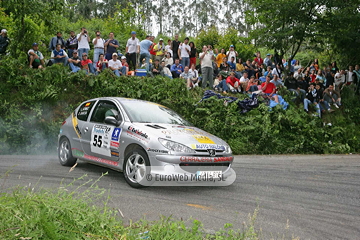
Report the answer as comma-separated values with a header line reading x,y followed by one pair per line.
x,y
86,129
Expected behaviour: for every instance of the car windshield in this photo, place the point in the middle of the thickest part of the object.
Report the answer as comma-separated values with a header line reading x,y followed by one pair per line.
x,y
147,112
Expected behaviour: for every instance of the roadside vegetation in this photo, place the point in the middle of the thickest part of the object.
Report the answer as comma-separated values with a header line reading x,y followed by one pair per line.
x,y
72,211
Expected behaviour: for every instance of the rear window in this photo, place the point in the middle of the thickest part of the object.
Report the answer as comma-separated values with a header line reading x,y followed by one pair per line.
x,y
84,110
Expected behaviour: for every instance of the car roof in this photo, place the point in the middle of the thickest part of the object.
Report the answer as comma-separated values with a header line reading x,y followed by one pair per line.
x,y
118,99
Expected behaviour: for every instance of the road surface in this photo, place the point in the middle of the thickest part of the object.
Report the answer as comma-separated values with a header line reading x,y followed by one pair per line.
x,y
305,196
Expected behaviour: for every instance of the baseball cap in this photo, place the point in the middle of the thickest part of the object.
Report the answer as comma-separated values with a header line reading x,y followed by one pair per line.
x,y
115,54
35,44
75,51
231,45
123,57
268,54
161,39
133,32
4,31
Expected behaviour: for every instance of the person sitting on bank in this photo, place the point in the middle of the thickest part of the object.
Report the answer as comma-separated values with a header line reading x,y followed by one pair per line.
x,y
101,64
58,55
75,62
36,58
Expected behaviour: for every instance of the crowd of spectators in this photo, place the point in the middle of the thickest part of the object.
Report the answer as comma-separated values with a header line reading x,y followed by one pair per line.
x,y
223,70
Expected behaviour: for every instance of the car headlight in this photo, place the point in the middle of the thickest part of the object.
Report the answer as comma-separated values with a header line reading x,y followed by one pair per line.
x,y
176,147
228,149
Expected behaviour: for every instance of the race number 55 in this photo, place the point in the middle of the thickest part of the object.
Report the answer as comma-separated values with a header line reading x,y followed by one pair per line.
x,y
97,141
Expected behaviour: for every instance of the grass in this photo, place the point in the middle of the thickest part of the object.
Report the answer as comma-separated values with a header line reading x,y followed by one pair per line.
x,y
71,212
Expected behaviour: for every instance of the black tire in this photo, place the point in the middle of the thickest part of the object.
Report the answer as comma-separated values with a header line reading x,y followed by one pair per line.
x,y
136,167
64,152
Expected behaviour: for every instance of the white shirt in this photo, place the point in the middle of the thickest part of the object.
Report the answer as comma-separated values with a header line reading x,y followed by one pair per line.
x,y
242,79
83,43
207,60
298,75
275,72
168,49
99,44
167,71
132,45
194,72
183,48
231,54
339,78
168,61
41,57
115,64
349,76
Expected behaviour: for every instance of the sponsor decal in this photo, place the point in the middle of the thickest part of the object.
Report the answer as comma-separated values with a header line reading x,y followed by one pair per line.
x,y
203,139
208,146
79,153
87,104
138,132
205,159
157,150
100,139
114,144
114,153
116,134
179,131
75,125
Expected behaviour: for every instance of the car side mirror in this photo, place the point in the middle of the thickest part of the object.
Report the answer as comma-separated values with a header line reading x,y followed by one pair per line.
x,y
112,121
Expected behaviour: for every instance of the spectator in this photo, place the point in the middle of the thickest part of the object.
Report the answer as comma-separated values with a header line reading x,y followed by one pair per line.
x,y
339,79
299,75
322,103
258,59
4,41
132,49
187,75
75,62
269,72
116,66
277,71
144,51
329,76
168,48
277,82
220,84
168,60
252,85
269,89
151,50
176,69
224,66
36,59
321,77
175,47
207,70
55,41
83,42
220,57
193,53
317,82
297,66
307,77
292,85
111,46
166,71
334,69
244,81
267,60
72,44
184,53
195,73
303,87
350,77
312,75
316,64
232,64
59,55
232,53
99,46
332,96
156,69
239,68
159,50
87,64
233,83
124,63
101,64
249,68
312,97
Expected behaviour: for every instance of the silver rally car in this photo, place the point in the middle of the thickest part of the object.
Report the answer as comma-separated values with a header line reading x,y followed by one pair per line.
x,y
140,138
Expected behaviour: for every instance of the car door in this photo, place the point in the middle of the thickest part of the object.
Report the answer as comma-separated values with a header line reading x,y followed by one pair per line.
x,y
101,141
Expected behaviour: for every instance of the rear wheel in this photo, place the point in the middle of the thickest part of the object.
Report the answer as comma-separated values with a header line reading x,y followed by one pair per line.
x,y
65,155
136,167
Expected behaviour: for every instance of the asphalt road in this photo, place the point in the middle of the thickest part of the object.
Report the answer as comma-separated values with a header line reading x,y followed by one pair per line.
x,y
305,196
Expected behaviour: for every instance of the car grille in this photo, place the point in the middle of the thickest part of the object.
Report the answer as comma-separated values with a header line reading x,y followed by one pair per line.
x,y
194,167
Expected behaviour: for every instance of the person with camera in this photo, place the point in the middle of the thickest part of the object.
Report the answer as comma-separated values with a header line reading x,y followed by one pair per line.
x,y
232,53
111,45
83,42
98,46
206,57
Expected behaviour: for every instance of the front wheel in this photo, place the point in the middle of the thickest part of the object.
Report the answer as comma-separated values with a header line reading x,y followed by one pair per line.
x,y
65,155
136,168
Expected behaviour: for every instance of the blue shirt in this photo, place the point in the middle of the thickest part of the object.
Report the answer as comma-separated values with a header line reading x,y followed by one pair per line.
x,y
232,65
61,52
175,68
145,45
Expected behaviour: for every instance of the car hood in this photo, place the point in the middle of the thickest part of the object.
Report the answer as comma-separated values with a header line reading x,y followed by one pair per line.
x,y
192,137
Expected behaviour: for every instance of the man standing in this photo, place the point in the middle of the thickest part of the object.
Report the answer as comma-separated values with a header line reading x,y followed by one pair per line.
x,y
160,50
111,45
59,55
132,49
72,44
116,66
98,47
175,47
207,57
144,51
4,41
83,42
258,59
36,59
232,53
220,57
184,53
55,41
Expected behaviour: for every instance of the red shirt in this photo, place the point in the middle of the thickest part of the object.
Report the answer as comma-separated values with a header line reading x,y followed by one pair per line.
x,y
231,80
269,88
152,52
259,61
100,66
85,63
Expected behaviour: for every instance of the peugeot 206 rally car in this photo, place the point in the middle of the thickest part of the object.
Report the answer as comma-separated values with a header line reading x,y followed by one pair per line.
x,y
143,140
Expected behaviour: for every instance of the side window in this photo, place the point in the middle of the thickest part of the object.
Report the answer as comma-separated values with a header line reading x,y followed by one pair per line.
x,y
84,110
104,109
